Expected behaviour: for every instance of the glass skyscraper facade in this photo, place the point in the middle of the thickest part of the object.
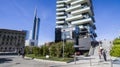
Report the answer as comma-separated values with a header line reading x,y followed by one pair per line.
x,y
35,31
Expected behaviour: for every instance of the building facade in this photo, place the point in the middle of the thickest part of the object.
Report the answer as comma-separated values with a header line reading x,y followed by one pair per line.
x,y
36,26
12,40
76,13
34,34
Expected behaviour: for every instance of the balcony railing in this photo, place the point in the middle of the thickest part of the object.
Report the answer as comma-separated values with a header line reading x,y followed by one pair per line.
x,y
74,18
73,8
61,9
80,2
59,22
60,17
69,1
77,2
60,13
59,2
83,10
60,5
83,21
59,26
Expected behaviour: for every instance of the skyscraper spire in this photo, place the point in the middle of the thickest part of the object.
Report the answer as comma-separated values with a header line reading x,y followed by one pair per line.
x,y
35,32
35,12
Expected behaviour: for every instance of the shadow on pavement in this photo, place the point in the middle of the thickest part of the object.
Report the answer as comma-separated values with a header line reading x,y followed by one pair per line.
x,y
4,60
80,58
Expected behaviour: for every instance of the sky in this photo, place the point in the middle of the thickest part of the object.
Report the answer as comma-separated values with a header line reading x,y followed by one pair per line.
x,y
19,15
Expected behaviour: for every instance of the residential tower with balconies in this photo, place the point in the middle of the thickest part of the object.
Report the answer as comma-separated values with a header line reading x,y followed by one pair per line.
x,y
76,13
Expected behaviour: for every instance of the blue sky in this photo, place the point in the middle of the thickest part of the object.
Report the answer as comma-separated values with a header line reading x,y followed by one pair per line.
x,y
19,15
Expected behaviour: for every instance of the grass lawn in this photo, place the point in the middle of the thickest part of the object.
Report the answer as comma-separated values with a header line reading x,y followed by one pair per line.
x,y
51,58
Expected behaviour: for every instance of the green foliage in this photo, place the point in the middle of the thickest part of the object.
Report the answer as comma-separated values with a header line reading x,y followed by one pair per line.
x,y
69,49
115,51
27,49
51,58
36,51
116,42
59,49
53,50
41,50
116,48
45,50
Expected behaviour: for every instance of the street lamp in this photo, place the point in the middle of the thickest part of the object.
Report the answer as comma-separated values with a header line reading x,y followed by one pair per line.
x,y
63,42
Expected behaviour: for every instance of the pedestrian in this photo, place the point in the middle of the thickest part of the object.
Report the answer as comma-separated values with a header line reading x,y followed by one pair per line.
x,y
104,54
23,54
100,52
19,52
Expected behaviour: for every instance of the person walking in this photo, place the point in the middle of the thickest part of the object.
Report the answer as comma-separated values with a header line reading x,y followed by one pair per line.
x,y
104,54
100,52
23,53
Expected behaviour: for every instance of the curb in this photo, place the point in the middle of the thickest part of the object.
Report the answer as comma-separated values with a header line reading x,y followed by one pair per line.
x,y
50,61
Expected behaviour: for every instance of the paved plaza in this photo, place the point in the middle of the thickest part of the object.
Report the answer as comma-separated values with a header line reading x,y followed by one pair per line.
x,y
18,61
92,61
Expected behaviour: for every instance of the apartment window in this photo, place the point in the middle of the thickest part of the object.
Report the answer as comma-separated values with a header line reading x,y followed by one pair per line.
x,y
2,43
9,48
1,48
5,48
84,5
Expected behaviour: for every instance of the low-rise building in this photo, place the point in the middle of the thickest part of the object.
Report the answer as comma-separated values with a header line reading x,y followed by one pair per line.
x,y
12,40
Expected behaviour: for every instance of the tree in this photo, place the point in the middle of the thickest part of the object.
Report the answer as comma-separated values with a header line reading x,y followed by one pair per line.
x,y
116,48
53,50
116,41
45,50
69,49
27,49
41,50
36,51
59,49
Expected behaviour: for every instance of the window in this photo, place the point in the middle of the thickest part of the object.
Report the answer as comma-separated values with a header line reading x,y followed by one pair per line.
x,y
5,48
1,48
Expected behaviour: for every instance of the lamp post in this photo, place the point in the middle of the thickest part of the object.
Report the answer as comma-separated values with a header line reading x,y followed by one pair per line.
x,y
63,42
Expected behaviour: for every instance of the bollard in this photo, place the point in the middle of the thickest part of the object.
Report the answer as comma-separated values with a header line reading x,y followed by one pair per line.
x,y
111,61
75,58
90,61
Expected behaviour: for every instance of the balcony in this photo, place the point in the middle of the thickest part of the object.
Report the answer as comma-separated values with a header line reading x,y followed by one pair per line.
x,y
83,10
61,9
60,13
59,22
77,2
59,2
69,1
74,18
83,21
80,2
60,5
60,17
60,26
73,8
